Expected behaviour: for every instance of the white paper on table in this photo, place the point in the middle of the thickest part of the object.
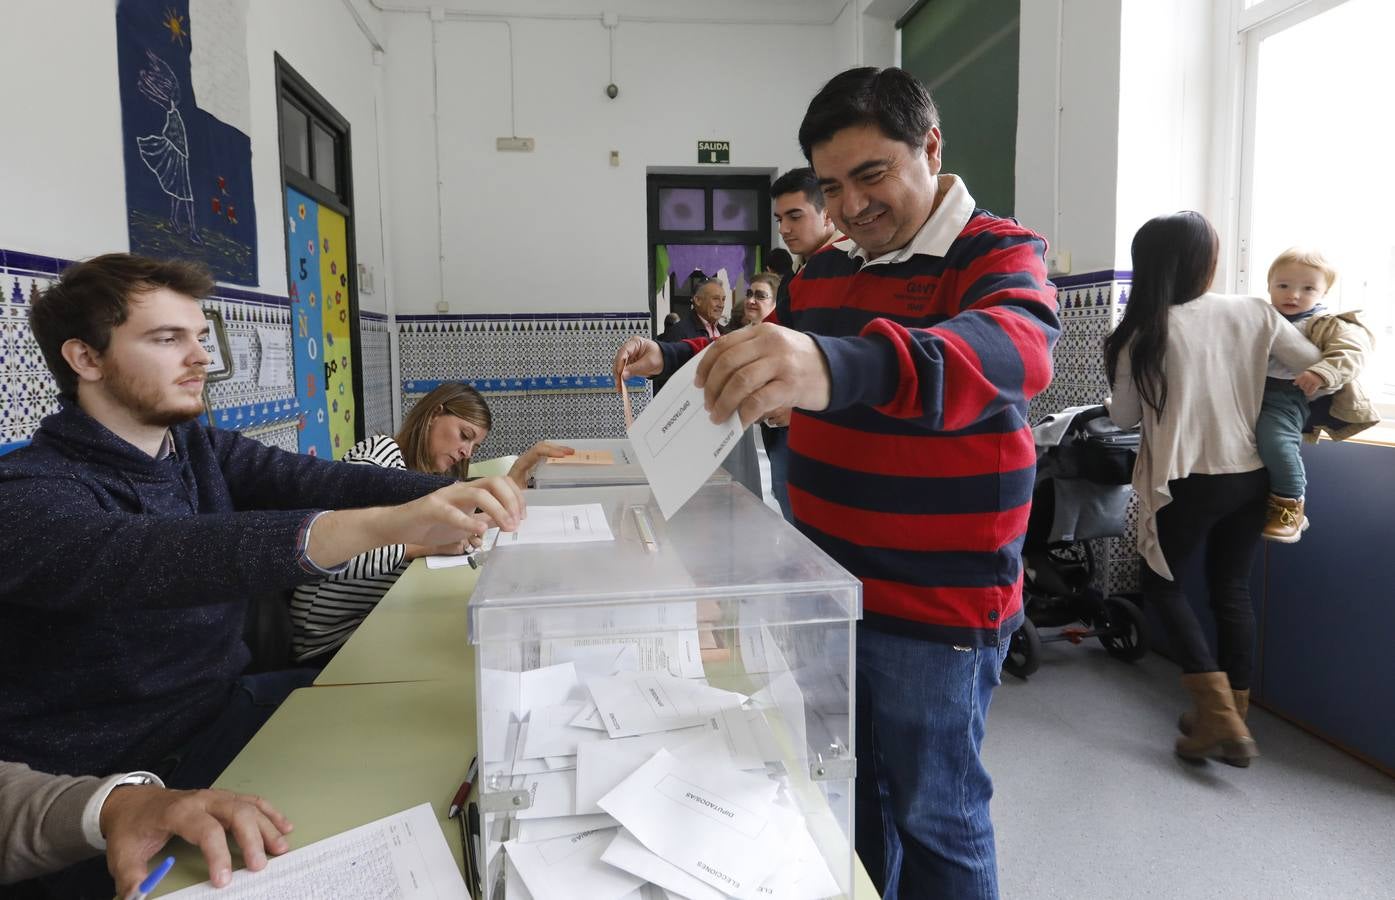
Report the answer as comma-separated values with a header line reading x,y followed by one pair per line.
x,y
676,652
628,854
676,442
722,827
577,524
568,867
447,562
403,855
532,830
601,767
634,703
557,763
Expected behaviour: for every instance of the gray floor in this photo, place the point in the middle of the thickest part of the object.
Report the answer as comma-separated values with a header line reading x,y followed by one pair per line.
x,y
1090,802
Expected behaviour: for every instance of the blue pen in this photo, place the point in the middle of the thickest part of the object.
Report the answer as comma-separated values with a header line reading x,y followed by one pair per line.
x,y
148,884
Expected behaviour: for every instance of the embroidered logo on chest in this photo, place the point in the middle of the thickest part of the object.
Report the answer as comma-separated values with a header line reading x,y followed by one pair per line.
x,y
915,297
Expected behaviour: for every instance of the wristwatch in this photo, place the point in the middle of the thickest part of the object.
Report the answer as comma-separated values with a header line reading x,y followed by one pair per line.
x,y
92,811
138,778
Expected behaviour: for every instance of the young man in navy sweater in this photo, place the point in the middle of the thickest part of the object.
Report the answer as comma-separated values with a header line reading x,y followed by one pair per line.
x,y
909,358
135,536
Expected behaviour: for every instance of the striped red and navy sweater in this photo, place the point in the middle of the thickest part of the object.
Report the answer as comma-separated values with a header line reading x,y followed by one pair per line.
x,y
918,477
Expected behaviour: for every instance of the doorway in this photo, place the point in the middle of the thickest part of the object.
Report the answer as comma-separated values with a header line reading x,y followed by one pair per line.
x,y
318,191
704,226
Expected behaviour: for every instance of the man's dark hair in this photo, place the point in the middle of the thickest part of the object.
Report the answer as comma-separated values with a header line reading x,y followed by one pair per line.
x,y
803,180
891,99
92,297
780,262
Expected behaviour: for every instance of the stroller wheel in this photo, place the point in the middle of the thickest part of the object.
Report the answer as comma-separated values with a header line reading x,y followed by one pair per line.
x,y
1126,637
1024,651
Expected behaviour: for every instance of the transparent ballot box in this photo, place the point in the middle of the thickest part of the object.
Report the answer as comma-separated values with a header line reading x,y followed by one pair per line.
x,y
668,708
624,470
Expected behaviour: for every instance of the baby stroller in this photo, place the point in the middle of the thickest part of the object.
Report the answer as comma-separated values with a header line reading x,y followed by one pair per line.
x,y
1084,466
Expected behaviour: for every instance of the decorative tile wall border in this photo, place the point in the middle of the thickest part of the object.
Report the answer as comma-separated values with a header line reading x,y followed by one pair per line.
x,y
271,414
1089,306
375,349
502,355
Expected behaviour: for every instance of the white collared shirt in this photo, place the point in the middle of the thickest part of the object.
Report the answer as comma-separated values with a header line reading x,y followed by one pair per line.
x,y
939,231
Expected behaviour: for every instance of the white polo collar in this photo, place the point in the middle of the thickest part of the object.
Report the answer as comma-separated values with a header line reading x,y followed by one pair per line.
x,y
939,231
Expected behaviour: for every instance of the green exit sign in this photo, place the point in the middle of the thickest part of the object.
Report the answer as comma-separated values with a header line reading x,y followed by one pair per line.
x,y
714,151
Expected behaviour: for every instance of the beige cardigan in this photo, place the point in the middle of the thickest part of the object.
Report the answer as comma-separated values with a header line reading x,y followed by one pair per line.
x,y
1218,349
41,820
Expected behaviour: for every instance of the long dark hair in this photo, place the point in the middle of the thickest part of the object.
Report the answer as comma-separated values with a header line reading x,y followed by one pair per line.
x,y
1174,260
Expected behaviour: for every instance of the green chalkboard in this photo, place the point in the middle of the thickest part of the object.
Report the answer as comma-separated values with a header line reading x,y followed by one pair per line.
x,y
966,52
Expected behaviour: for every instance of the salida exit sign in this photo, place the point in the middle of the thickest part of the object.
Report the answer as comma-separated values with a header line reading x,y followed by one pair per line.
x,y
714,151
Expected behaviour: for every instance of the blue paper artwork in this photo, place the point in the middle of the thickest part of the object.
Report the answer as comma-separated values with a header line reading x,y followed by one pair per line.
x,y
188,173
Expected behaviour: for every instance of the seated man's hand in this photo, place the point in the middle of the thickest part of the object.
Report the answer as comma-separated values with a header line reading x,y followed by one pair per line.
x,y
637,356
139,820
463,511
758,370
1309,383
522,469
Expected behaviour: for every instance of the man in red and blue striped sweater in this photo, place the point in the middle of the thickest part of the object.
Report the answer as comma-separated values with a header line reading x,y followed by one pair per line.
x,y
909,353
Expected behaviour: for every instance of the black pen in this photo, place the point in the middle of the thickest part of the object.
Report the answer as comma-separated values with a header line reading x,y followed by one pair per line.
x,y
472,815
468,854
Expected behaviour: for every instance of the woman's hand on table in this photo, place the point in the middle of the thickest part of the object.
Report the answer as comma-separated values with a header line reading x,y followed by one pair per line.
x,y
523,468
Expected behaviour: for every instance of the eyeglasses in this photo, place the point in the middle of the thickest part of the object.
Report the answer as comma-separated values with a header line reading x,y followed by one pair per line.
x,y
750,293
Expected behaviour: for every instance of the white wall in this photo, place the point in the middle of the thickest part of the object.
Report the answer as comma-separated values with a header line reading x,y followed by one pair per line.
x,y
559,229
878,39
1166,96
1067,162
61,173
1140,91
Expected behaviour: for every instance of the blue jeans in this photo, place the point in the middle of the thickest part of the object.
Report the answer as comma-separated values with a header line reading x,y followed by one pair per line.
x,y
922,823
1279,433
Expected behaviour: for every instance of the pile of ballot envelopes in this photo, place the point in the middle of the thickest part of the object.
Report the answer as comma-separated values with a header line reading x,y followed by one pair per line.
x,y
645,782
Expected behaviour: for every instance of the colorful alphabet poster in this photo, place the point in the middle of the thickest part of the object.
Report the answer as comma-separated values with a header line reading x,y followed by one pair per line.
x,y
307,321
336,349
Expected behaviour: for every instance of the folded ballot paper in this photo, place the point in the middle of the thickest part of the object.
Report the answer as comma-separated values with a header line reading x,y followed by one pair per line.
x,y
571,867
719,825
632,703
644,785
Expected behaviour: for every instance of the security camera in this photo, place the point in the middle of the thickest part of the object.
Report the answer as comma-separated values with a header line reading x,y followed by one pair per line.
x,y
612,91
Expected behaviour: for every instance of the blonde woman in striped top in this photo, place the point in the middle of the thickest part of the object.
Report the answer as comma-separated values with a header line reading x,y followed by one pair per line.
x,y
439,435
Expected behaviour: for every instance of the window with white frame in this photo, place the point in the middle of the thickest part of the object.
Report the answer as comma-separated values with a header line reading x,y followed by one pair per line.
x,y
1316,161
